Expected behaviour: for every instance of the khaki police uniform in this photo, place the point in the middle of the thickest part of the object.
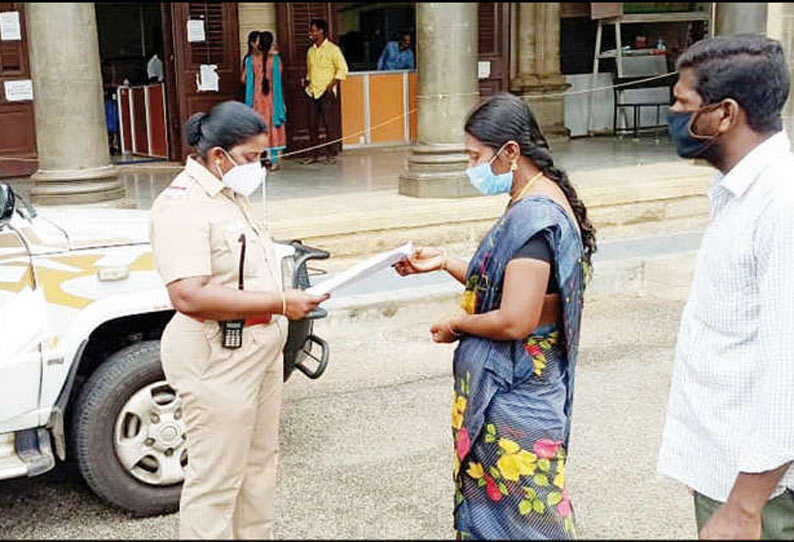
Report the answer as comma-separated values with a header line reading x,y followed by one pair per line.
x,y
230,398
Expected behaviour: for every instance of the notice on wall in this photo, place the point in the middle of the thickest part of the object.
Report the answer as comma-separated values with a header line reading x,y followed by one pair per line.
x,y
207,79
10,30
484,69
19,91
195,30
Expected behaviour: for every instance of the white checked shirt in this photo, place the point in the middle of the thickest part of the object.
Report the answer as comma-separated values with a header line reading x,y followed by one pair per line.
x,y
731,406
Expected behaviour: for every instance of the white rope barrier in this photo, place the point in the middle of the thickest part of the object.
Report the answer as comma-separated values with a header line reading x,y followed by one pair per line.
x,y
414,110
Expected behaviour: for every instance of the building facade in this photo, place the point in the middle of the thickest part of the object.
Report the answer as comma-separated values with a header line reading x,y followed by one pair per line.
x,y
76,56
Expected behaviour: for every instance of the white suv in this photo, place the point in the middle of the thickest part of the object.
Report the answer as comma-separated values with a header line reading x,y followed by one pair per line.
x,y
82,309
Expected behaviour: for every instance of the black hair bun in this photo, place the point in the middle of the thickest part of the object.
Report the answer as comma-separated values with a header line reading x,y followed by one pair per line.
x,y
193,128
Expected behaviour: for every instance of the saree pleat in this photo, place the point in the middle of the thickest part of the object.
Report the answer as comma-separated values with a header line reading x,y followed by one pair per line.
x,y
512,403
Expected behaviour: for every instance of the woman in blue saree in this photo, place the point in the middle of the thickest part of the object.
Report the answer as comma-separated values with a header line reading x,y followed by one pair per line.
x,y
518,333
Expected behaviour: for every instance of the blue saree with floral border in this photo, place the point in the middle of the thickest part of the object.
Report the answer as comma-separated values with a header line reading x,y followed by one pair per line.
x,y
511,413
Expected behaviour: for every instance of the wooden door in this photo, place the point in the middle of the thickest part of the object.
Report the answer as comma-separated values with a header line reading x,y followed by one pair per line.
x,y
493,27
17,123
220,47
292,20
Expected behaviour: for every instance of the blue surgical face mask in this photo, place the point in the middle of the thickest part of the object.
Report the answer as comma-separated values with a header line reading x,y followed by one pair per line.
x,y
486,181
687,145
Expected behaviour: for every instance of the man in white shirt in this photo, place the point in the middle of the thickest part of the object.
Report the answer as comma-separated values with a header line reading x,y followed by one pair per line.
x,y
729,433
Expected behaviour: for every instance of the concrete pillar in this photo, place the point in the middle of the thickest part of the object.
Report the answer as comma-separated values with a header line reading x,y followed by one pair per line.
x,y
780,26
538,73
740,18
259,16
71,137
774,20
447,90
513,55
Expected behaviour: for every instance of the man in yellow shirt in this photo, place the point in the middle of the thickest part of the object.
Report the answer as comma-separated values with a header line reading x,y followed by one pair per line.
x,y
325,65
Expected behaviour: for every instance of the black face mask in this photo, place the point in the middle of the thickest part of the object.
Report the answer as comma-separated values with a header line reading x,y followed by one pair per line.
x,y
687,144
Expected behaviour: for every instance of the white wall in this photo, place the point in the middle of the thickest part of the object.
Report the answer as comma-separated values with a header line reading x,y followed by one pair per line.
x,y
259,16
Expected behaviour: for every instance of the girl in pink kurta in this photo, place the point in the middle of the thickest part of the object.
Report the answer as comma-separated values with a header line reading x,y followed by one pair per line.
x,y
261,75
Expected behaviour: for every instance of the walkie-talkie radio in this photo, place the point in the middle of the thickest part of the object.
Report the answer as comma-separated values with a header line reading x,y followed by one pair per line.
x,y
233,329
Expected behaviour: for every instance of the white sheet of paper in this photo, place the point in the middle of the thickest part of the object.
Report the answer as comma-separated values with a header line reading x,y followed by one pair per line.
x,y
18,91
195,30
362,270
10,29
483,69
207,79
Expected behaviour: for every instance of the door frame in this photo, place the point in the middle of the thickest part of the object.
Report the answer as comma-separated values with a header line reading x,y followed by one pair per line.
x,y
171,102
502,23
297,136
179,90
22,162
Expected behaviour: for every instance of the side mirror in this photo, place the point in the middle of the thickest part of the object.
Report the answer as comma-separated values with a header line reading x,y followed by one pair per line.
x,y
7,203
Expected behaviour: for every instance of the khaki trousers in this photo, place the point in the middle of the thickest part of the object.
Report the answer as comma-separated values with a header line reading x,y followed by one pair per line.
x,y
231,401
777,522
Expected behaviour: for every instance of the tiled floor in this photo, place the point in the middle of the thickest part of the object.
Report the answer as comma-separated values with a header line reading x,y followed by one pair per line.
x,y
378,169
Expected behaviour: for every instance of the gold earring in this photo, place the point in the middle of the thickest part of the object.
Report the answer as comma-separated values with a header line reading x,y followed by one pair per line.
x,y
514,165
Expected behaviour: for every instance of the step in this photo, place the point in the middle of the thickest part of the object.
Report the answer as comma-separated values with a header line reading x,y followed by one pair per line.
x,y
364,223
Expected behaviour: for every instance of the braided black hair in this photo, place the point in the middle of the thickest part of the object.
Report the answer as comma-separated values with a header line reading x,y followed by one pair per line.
x,y
265,43
505,117
261,41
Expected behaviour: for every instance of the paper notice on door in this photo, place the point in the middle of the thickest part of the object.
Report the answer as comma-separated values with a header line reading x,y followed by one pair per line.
x,y
10,30
207,79
362,270
483,69
18,91
195,30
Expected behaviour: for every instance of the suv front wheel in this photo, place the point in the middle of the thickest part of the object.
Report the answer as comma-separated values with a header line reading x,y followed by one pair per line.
x,y
128,433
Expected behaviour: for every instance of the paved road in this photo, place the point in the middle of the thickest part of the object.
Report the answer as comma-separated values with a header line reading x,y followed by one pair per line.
x,y
366,451
388,280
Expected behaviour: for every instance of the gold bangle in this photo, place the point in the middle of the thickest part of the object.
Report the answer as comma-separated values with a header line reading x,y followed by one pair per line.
x,y
444,260
283,304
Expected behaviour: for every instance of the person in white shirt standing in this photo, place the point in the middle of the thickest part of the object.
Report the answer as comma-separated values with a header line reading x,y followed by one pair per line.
x,y
729,432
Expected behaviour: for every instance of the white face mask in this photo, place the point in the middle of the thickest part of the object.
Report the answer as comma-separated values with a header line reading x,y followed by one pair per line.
x,y
244,179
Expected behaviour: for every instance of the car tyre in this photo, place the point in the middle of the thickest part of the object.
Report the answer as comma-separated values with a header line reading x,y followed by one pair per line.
x,y
93,429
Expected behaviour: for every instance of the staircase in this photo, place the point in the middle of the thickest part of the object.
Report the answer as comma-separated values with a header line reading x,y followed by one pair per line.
x,y
649,198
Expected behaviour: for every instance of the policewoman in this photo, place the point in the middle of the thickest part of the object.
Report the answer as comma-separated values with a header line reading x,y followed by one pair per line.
x,y
222,351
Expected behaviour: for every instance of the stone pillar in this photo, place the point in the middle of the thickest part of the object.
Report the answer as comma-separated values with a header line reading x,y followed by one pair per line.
x,y
72,141
780,26
259,16
513,40
740,18
539,67
447,89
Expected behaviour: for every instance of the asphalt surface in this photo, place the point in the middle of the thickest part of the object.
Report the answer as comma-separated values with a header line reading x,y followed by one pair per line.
x,y
366,451
387,280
